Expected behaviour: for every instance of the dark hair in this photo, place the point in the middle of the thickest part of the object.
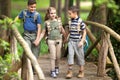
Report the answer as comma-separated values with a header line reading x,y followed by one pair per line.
x,y
30,2
47,16
74,9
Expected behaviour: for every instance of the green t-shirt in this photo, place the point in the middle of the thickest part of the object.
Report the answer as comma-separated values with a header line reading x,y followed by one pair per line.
x,y
53,30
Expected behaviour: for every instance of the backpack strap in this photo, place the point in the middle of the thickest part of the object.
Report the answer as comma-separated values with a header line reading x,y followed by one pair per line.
x,y
79,25
35,15
48,26
25,15
60,23
69,23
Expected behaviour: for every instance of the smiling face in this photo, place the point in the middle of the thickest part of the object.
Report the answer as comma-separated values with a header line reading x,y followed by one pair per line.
x,y
32,7
52,14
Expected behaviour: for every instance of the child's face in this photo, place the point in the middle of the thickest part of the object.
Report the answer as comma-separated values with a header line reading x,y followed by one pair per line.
x,y
32,7
53,14
71,14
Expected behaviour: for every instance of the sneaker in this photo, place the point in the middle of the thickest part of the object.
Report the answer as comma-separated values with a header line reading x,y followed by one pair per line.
x,y
57,70
53,74
69,74
80,74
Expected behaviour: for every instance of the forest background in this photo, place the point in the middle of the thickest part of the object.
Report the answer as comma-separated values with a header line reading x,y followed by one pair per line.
x,y
87,11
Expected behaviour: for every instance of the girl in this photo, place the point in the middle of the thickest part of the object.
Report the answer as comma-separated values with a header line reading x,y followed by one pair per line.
x,y
53,29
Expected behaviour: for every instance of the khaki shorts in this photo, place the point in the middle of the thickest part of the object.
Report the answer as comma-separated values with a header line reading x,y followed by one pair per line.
x,y
78,52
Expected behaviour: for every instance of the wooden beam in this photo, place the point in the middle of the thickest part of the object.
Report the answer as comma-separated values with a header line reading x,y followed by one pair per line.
x,y
103,55
29,53
106,28
92,47
114,60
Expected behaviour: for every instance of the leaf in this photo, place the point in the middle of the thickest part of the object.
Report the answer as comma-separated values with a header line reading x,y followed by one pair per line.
x,y
1,21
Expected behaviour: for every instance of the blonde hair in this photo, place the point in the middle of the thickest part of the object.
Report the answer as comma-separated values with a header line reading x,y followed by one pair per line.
x,y
47,16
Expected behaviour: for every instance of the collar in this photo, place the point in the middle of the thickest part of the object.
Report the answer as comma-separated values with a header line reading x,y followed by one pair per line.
x,y
75,18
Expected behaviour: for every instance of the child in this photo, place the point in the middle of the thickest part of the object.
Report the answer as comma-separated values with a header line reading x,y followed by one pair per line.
x,y
32,26
53,29
77,34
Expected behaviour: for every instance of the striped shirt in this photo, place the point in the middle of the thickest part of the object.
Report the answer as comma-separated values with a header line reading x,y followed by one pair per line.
x,y
76,26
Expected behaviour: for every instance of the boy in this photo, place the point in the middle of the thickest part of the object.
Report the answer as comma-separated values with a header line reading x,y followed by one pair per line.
x,y
77,36
32,26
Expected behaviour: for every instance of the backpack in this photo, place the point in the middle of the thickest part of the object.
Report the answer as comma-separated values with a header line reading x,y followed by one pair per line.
x,y
48,25
78,25
25,15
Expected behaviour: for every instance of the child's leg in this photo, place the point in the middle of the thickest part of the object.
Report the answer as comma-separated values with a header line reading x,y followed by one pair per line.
x,y
52,49
69,72
81,72
80,60
58,52
58,55
70,59
81,68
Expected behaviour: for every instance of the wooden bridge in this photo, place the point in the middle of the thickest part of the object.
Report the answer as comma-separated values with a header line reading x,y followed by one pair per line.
x,y
90,70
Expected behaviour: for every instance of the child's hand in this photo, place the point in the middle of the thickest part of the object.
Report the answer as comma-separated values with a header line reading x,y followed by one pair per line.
x,y
80,44
65,40
36,43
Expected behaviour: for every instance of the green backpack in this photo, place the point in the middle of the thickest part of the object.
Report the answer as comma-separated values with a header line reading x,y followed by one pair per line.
x,y
51,29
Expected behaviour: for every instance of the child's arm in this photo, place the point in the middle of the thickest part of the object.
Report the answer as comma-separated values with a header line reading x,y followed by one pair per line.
x,y
64,34
16,18
41,36
83,38
38,33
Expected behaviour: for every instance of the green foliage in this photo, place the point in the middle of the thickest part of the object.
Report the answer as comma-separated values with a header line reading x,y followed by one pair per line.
x,y
5,22
6,60
95,53
44,47
114,23
112,74
5,65
14,76
100,2
4,44
109,3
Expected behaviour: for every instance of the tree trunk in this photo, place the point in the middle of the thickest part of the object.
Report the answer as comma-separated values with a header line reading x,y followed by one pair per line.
x,y
24,69
59,8
104,45
5,7
66,11
78,5
93,16
53,3
71,3
102,56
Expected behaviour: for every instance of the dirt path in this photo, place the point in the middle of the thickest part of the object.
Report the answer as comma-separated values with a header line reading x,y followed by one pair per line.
x,y
90,70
